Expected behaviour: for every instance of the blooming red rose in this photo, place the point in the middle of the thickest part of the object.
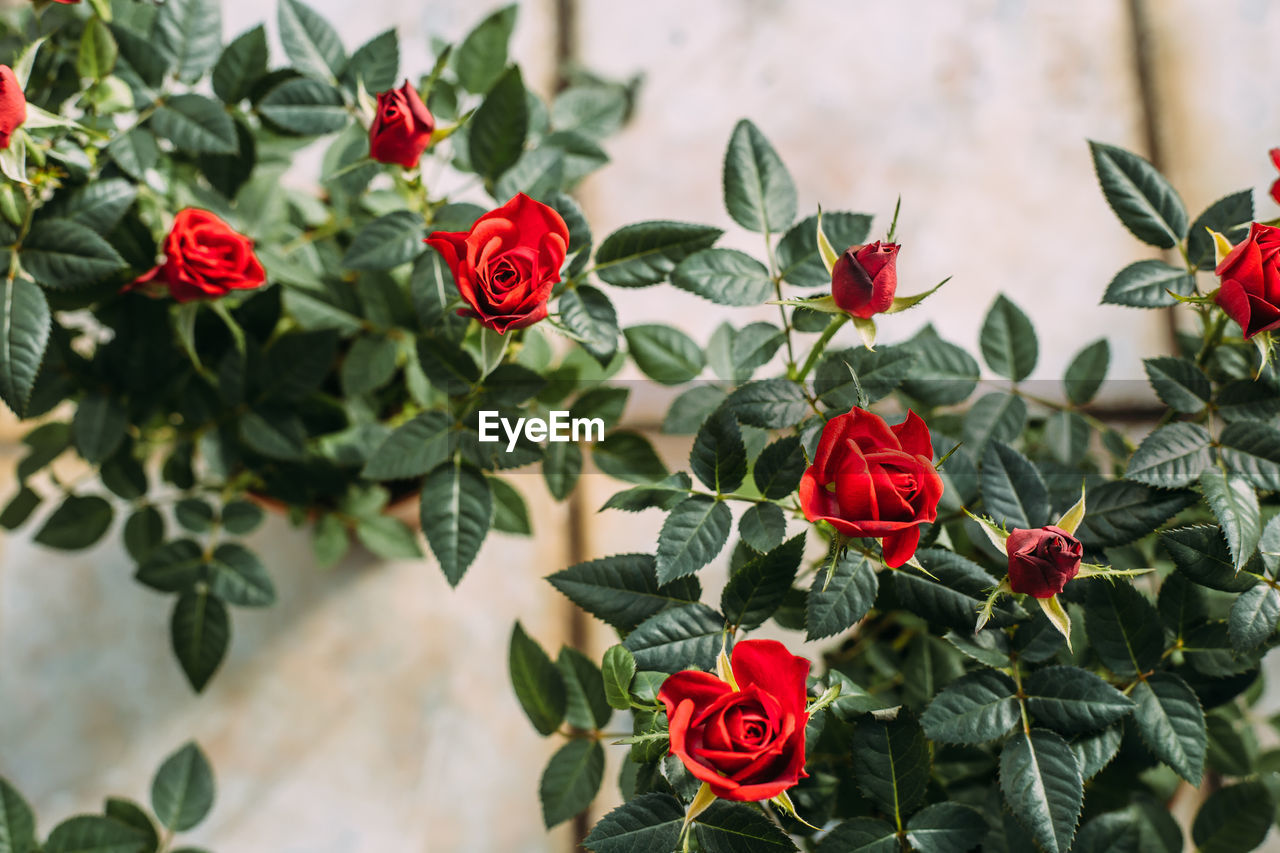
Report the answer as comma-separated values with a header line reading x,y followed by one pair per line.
x,y
865,279
507,264
746,744
1042,561
1250,274
204,259
402,129
872,480
1275,161
13,105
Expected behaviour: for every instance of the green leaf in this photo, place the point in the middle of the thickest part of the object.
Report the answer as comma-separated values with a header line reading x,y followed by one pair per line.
x,y
388,537
684,637
237,576
1200,553
94,834
456,510
1140,196
98,50
664,494
586,706
891,763
628,456
943,375
692,536
618,670
310,41
1169,718
769,404
1094,752
100,205
1252,450
19,508
537,681
1041,783
593,111
1235,505
757,589
990,647
274,434
196,125
719,457
242,517
798,260
1067,435
571,780
1253,617
647,822
387,242
1071,700
25,321
369,364
876,372
1013,492
1123,627
837,602
99,426
135,152
1179,383
1171,457
727,827
589,314
510,514
172,567
665,354
194,514
998,416
758,191
861,835
977,708
241,64
376,64
645,253
1086,371
1234,819
1147,284
129,812
482,55
622,589
200,631
561,467
306,107
1121,511
537,173
183,789
63,255
17,823
412,450
763,527
724,276
188,33
1009,340
946,828
779,467
499,126
950,594
77,523
1229,216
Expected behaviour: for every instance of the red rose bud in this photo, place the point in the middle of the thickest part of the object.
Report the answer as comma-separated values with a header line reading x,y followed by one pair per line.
x,y
746,744
13,105
507,264
204,259
402,129
872,480
1042,561
865,279
1250,291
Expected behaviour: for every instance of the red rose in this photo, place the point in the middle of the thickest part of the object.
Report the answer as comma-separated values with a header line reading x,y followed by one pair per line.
x,y
746,744
1250,292
13,105
1042,561
872,480
865,279
204,259
402,129
1275,161
507,264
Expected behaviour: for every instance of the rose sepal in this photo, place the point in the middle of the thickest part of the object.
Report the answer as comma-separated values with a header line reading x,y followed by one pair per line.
x,y
828,696
902,303
867,329
493,347
825,250
701,802
724,667
998,535
783,802
1264,342
1057,616
1221,246
13,160
1071,519
984,612
1092,570
824,304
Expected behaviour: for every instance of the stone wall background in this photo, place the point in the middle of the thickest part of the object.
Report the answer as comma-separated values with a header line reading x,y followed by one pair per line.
x,y
369,710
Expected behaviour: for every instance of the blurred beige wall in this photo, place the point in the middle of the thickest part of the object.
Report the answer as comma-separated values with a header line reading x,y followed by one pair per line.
x,y
369,710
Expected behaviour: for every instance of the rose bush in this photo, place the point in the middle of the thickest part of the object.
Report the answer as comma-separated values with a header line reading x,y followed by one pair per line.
x,y
1047,632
